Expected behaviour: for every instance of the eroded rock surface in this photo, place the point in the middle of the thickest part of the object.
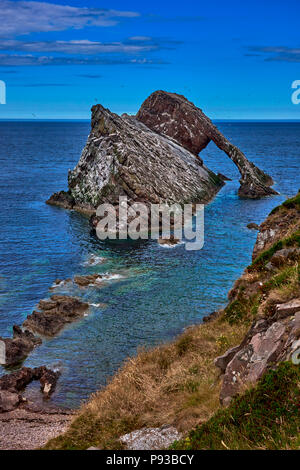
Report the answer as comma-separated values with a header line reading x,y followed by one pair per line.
x,y
54,314
15,349
12,385
268,342
174,116
151,438
123,157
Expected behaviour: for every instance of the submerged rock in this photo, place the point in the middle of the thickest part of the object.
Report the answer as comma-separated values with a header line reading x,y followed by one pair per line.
x,y
54,314
173,115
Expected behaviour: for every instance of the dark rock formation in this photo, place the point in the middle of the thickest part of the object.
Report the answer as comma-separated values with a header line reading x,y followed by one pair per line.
x,y
253,226
174,116
54,314
17,348
11,385
62,199
123,157
9,401
224,177
84,281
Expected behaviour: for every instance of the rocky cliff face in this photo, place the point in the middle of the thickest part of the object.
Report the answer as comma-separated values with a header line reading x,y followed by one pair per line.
x,y
174,116
268,296
123,157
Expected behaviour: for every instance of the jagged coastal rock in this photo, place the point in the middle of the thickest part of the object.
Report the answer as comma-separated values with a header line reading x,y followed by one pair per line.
x,y
16,349
174,116
54,314
123,157
12,385
153,158
268,342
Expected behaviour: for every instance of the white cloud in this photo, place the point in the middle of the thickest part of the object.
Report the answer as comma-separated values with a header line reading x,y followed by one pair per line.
x,y
30,60
24,17
75,47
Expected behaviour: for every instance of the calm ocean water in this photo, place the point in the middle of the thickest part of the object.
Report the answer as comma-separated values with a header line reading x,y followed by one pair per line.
x,y
162,290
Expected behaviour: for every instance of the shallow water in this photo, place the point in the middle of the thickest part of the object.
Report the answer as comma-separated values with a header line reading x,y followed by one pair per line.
x,y
161,290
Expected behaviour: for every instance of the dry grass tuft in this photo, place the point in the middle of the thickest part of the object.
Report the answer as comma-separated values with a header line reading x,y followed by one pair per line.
x,y
176,384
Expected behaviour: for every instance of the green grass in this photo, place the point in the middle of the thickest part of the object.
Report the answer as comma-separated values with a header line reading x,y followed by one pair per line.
x,y
261,261
243,309
265,417
285,277
292,203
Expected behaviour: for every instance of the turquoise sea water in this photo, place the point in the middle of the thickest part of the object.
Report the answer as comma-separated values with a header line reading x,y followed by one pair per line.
x,y
161,290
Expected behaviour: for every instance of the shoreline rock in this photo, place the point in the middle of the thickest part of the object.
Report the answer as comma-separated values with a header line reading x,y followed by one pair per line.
x,y
12,385
17,348
54,314
268,342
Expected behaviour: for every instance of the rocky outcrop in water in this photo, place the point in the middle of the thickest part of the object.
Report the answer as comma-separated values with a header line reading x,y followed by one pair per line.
x,y
12,385
123,157
174,116
16,349
54,314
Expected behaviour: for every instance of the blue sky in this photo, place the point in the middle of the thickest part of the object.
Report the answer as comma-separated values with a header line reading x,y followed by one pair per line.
x,y
234,59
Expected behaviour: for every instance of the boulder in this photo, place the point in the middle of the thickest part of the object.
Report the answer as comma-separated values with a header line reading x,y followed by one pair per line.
x,y
151,438
222,361
288,308
54,314
174,116
9,401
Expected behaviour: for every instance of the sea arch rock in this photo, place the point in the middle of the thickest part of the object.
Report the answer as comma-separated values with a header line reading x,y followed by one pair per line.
x,y
174,116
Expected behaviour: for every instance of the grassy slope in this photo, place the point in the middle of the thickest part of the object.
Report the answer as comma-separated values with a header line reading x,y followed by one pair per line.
x,y
265,417
178,383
